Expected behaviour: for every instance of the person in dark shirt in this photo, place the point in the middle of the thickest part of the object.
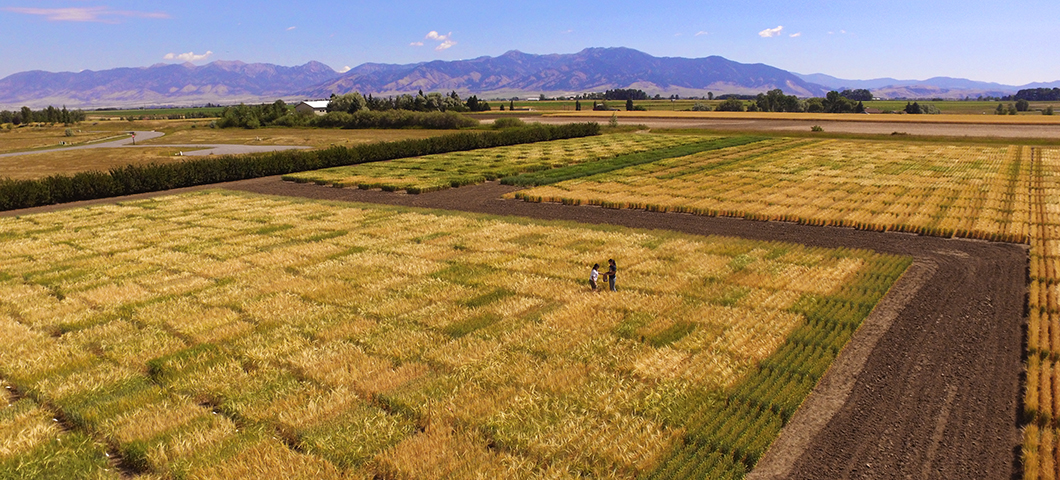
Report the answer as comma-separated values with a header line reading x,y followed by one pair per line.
x,y
612,270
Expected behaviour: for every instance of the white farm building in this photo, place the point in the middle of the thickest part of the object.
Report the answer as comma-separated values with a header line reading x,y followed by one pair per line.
x,y
316,107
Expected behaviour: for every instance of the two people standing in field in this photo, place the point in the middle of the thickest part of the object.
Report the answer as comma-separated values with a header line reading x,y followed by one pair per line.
x,y
612,271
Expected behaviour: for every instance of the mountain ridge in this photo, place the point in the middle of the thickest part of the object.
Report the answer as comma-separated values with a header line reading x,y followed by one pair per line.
x,y
511,74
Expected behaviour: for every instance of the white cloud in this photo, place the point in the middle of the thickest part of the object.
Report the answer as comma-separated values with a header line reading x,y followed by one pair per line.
x,y
291,28
85,14
770,32
796,35
345,69
187,57
445,41
702,32
433,35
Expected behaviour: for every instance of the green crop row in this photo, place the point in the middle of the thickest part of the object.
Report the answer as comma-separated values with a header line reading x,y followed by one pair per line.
x,y
570,172
726,437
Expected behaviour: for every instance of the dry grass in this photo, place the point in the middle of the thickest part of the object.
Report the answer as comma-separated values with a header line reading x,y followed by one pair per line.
x,y
29,138
68,162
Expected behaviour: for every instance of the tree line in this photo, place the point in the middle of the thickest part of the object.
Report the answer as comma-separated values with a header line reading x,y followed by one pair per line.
x,y
776,101
1038,95
354,110
47,115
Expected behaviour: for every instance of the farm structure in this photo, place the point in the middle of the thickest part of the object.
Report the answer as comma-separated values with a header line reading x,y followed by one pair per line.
x,y
312,107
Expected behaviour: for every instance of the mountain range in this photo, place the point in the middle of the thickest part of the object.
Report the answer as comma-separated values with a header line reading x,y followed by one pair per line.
x,y
511,74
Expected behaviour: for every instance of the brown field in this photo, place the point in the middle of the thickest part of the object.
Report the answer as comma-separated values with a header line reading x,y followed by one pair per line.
x,y
29,138
846,117
40,165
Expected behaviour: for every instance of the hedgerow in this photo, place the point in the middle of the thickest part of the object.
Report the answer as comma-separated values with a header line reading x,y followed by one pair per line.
x,y
132,179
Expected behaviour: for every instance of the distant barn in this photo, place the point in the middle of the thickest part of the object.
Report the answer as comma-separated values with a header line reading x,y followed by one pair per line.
x,y
316,107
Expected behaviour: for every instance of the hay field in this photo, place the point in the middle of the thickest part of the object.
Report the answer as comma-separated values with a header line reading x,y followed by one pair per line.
x,y
214,335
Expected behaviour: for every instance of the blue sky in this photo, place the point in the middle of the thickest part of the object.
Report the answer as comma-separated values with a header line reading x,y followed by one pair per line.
x,y
1011,43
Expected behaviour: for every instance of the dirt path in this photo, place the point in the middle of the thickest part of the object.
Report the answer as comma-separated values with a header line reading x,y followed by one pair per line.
x,y
929,386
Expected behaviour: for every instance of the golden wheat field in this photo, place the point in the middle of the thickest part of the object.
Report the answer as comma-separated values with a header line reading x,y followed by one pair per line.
x,y
934,189
223,335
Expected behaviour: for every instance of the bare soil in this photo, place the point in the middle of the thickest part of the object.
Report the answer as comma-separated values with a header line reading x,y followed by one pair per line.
x,y
929,387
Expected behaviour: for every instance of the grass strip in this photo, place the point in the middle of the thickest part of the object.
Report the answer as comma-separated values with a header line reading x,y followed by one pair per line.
x,y
555,175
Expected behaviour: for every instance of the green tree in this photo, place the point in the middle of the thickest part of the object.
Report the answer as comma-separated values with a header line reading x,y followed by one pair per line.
x,y
1022,105
629,104
710,95
836,103
349,103
577,105
1000,110
27,115
731,104
1048,110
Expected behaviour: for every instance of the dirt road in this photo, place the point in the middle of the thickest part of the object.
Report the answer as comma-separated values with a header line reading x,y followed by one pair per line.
x,y
873,128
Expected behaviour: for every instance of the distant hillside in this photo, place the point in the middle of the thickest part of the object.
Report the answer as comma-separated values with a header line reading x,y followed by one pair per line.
x,y
511,74
936,87
592,69
160,84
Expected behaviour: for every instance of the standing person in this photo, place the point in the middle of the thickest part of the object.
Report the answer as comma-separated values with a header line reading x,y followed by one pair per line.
x,y
593,275
612,270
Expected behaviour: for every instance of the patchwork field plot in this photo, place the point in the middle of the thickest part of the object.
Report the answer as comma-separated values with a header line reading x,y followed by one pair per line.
x,y
436,172
942,190
1041,448
997,193
229,335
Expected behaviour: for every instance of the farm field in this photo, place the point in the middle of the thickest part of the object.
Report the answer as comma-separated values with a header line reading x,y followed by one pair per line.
x,y
436,172
69,162
228,334
934,189
29,138
999,193
839,117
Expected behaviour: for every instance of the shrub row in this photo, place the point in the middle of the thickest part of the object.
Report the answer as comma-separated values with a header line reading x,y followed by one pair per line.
x,y
132,179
